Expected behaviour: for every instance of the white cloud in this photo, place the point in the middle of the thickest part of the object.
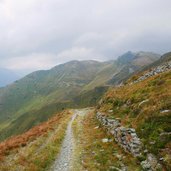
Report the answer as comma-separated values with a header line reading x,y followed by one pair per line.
x,y
80,53
37,61
33,61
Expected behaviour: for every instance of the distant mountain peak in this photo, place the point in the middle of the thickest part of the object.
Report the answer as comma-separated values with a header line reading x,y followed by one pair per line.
x,y
130,56
125,58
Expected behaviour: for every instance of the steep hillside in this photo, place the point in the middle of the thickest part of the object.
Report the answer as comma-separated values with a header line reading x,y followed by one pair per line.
x,y
114,72
37,148
52,145
138,112
130,63
41,94
44,87
146,106
164,58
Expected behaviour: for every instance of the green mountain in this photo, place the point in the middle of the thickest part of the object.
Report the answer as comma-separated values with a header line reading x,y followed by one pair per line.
x,y
39,95
136,115
129,63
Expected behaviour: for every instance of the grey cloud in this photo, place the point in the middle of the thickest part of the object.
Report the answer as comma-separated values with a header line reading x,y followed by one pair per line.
x,y
45,33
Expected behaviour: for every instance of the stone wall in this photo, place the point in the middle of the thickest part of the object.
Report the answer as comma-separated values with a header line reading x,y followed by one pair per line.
x,y
125,137
155,71
129,141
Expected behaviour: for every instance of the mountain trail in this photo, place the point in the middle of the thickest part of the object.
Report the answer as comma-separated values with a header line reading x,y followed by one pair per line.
x,y
66,156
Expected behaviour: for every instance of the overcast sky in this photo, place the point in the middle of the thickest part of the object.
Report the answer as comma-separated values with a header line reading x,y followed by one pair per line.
x,y
38,34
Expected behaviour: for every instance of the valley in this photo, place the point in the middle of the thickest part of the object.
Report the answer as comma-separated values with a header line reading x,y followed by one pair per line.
x,y
102,119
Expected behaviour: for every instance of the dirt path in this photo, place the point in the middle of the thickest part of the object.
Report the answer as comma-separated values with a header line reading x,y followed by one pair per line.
x,y
66,156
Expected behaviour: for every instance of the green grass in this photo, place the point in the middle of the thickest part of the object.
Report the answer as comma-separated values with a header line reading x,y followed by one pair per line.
x,y
92,153
146,117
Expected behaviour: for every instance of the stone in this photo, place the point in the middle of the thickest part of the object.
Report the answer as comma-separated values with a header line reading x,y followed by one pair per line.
x,y
114,168
119,156
152,142
152,160
110,140
96,127
144,101
157,70
133,134
161,159
165,111
110,111
112,131
101,150
65,164
105,140
145,151
125,137
118,119
137,142
158,167
131,130
145,165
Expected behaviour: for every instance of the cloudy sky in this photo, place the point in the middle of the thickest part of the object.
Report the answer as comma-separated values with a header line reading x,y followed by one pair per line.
x,y
38,34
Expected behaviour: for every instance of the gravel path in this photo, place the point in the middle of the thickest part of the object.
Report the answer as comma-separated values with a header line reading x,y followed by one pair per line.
x,y
66,156
63,162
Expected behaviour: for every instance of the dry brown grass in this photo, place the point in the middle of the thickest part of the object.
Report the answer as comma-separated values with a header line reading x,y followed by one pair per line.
x,y
15,142
93,153
156,89
147,117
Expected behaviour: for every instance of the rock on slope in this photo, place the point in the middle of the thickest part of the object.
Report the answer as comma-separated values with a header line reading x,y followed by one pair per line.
x,y
145,105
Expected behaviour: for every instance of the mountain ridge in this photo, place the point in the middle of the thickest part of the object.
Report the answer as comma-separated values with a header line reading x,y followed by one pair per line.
x,y
142,110
45,92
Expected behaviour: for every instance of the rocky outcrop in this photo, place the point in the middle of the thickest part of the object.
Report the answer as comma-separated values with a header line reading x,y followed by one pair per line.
x,y
151,163
155,71
125,137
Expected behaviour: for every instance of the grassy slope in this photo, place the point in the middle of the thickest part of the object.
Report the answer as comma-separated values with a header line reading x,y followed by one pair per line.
x,y
36,149
146,117
92,154
38,88
103,76
90,98
128,67
41,94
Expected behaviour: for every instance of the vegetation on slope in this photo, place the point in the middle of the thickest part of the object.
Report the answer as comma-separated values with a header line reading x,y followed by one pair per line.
x,y
43,87
129,63
145,106
43,93
36,149
93,154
